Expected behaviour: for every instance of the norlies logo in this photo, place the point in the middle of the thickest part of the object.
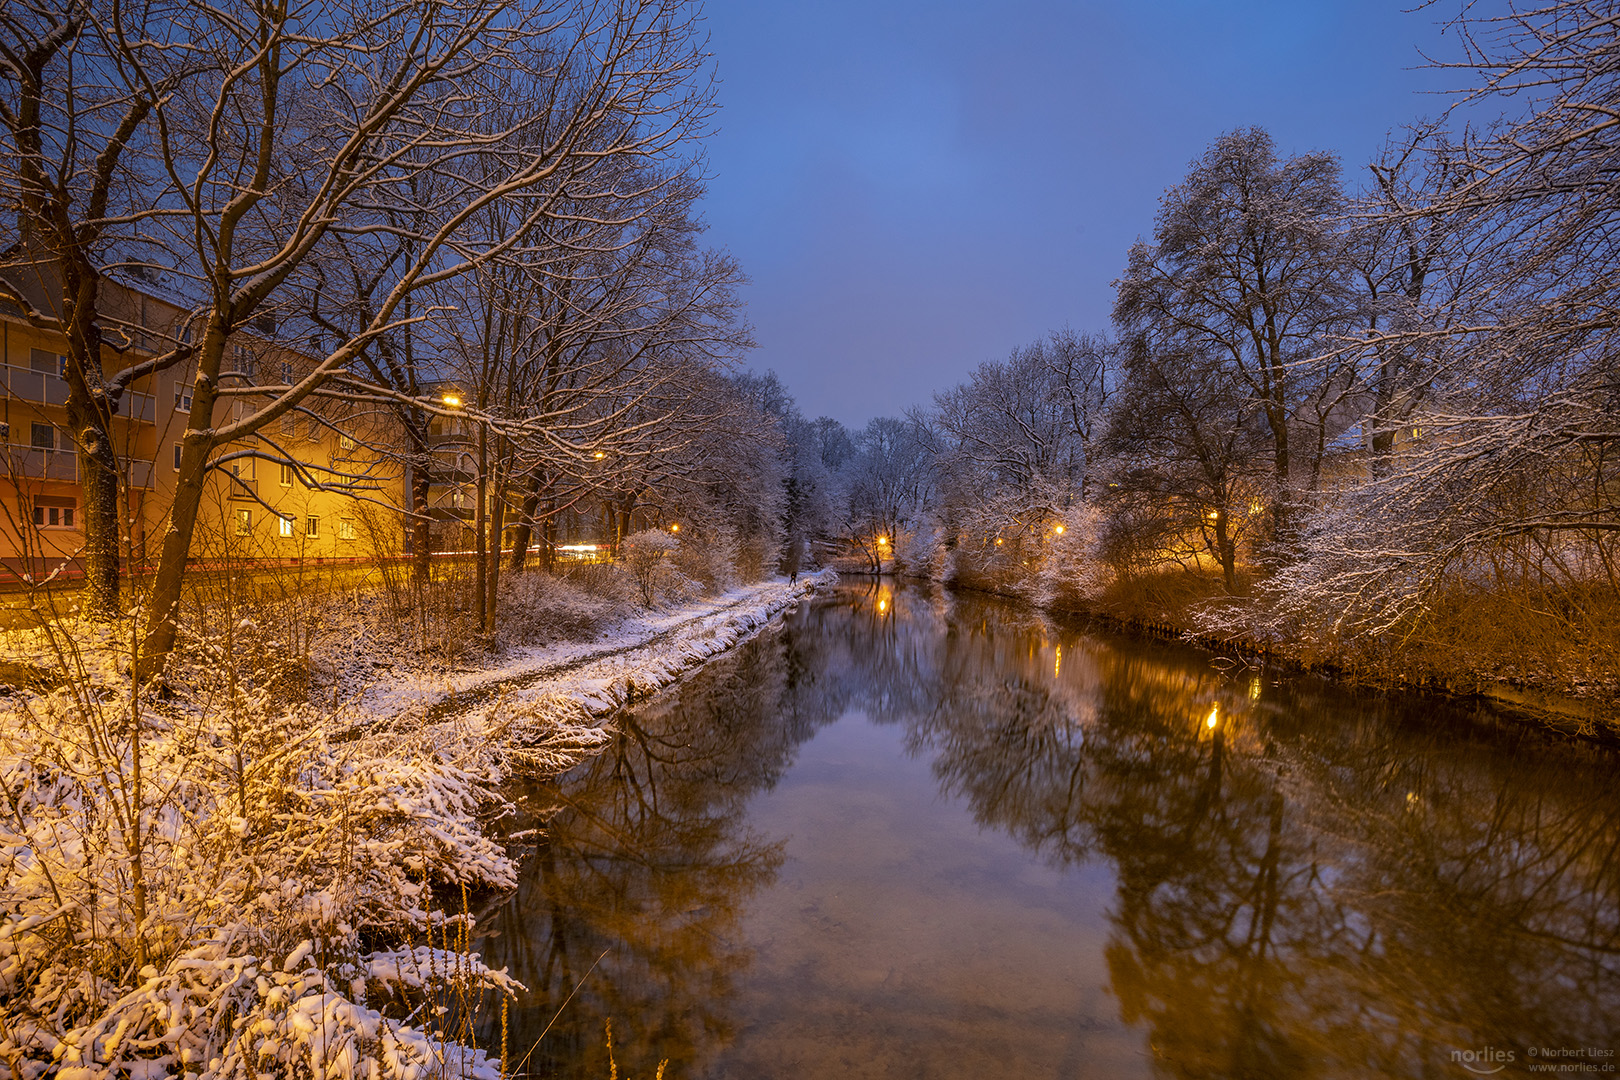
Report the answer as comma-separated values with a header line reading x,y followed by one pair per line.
x,y
1484,1062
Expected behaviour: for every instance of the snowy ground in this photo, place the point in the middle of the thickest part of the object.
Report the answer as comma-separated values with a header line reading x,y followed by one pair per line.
x,y
636,656
212,882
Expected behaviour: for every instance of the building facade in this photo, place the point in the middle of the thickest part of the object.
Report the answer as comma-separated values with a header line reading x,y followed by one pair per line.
x,y
323,482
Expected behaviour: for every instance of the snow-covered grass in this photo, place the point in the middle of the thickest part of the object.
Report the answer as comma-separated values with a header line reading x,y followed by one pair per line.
x,y
216,879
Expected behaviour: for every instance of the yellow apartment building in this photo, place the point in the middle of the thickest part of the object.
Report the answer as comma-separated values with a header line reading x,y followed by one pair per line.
x,y
343,499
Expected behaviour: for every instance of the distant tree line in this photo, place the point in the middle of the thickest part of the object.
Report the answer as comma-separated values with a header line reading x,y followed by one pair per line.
x,y
1371,421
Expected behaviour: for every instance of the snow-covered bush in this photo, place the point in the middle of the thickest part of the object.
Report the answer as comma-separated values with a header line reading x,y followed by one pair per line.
x,y
211,883
708,558
1073,576
646,556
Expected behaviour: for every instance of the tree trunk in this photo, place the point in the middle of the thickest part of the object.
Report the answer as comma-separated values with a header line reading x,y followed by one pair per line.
x,y
480,520
497,520
89,424
525,529
421,523
163,605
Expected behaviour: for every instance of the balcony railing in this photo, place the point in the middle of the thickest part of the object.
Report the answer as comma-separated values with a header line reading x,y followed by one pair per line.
x,y
37,463
45,388
244,487
29,385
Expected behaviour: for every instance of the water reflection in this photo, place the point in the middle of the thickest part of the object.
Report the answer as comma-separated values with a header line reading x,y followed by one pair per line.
x,y
1301,882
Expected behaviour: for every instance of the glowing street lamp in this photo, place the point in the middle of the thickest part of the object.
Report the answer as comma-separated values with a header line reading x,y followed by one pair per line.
x,y
599,455
1058,529
882,540
452,401
674,526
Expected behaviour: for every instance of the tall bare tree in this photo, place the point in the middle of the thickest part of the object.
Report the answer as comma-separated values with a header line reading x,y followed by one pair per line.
x,y
308,127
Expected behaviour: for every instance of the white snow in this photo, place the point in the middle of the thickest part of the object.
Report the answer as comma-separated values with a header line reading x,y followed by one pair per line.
x,y
274,841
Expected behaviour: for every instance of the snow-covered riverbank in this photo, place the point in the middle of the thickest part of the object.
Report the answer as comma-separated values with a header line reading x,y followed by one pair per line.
x,y
215,883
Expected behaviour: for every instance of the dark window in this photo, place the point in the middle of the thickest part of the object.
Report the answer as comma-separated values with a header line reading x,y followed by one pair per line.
x,y
312,527
176,457
47,361
43,437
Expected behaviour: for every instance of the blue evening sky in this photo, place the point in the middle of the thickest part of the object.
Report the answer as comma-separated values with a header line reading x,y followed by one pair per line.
x,y
916,186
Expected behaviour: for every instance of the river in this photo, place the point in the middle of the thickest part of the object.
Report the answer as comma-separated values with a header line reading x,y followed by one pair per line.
x,y
907,833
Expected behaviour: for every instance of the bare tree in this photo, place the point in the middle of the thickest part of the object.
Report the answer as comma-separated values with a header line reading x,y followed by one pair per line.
x,y
1246,268
73,168
309,125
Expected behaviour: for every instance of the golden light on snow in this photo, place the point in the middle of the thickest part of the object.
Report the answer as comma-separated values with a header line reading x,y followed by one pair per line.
x,y
1214,717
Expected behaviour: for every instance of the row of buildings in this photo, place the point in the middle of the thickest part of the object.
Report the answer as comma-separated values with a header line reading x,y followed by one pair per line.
x,y
253,508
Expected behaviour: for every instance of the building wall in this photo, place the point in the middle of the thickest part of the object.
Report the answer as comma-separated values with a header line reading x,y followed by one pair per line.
x,y
41,520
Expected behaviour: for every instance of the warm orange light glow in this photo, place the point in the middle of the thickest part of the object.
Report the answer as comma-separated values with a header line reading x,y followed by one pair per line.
x,y
998,541
599,455
883,605
1214,717
883,539
674,526
1213,514
1057,662
451,400
1058,529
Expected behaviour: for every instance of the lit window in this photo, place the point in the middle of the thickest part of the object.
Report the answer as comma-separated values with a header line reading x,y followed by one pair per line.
x,y
346,442
312,527
345,528
286,478
286,526
244,522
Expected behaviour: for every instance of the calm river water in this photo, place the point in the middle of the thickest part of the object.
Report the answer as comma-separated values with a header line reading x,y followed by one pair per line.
x,y
910,834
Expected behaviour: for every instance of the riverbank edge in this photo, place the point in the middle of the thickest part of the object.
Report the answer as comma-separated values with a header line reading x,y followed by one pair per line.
x,y
1583,718
641,659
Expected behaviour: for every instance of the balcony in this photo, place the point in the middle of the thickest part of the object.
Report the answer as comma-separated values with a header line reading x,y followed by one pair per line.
x,y
38,463
48,389
40,386
244,487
